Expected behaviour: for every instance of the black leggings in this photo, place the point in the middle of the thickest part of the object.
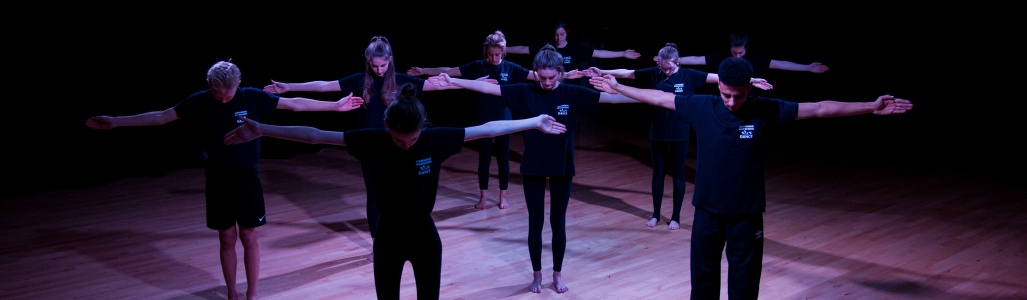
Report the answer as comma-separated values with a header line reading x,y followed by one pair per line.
x,y
535,197
502,152
673,154
372,206
413,239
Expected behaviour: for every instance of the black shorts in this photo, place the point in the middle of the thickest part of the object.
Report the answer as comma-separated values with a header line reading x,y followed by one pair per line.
x,y
234,196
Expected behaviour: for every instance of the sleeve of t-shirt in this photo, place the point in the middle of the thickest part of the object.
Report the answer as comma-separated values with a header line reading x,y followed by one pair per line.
x,y
265,103
588,98
185,108
351,84
403,78
518,74
471,70
451,140
697,78
646,75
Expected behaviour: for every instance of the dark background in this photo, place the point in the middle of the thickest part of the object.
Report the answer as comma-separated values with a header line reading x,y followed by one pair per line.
x,y
70,65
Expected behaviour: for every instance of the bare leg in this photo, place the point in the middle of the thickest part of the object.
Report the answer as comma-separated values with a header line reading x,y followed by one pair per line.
x,y
481,201
251,259
536,282
558,283
502,200
673,225
652,222
226,239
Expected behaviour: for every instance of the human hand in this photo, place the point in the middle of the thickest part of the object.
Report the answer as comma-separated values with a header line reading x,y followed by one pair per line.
x,y
888,105
547,124
761,83
415,71
349,103
246,132
818,67
631,54
276,87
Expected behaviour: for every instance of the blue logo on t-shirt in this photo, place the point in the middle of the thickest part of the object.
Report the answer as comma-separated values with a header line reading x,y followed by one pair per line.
x,y
679,87
562,109
504,77
745,131
423,165
239,113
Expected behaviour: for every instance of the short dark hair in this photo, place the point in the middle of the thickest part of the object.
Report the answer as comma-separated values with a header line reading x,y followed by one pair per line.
x,y
735,71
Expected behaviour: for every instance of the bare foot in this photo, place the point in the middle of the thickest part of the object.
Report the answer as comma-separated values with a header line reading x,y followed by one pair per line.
x,y
536,282
502,200
673,225
370,257
233,295
251,297
652,222
481,201
558,283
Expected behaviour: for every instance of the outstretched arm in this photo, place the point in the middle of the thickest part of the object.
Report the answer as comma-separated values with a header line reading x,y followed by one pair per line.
x,y
619,73
609,84
418,71
759,83
687,60
144,119
518,50
251,130
545,123
629,54
443,81
311,86
347,103
791,66
884,105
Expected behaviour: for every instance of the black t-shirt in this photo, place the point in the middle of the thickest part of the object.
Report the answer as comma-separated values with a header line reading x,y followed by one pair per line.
x,y
406,181
664,124
491,107
549,154
576,56
215,119
373,111
731,150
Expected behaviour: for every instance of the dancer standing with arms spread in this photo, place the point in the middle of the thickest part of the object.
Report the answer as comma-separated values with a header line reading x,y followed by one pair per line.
x,y
668,136
407,153
733,132
377,85
234,193
548,159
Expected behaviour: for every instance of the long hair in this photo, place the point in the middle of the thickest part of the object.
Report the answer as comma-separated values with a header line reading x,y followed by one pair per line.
x,y
379,47
406,114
